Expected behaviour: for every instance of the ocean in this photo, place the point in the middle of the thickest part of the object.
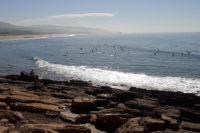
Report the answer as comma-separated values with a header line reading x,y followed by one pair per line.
x,y
165,61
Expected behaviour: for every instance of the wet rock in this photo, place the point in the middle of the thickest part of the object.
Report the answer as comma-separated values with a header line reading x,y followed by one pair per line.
x,y
142,104
36,86
190,114
62,96
123,96
134,112
190,126
101,102
98,91
13,77
79,83
83,105
28,77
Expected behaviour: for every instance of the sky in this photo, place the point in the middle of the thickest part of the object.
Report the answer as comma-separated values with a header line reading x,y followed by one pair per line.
x,y
125,16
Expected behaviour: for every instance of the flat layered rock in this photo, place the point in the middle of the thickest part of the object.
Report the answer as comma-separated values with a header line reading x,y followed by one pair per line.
x,y
60,128
132,126
68,116
191,114
190,126
4,129
141,125
3,105
142,104
11,116
171,122
34,107
168,111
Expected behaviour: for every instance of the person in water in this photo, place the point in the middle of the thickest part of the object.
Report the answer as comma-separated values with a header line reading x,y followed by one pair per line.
x,y
32,72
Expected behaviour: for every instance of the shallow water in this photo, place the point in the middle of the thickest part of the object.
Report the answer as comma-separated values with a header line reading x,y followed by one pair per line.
x,y
120,61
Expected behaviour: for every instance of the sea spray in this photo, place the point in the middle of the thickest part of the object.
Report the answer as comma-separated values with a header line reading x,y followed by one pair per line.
x,y
117,79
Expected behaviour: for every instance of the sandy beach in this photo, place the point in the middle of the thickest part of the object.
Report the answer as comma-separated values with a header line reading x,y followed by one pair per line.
x,y
33,36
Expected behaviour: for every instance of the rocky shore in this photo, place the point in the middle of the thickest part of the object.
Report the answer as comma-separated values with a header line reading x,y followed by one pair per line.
x,y
30,105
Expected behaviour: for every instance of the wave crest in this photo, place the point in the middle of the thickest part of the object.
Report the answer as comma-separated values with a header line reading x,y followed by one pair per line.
x,y
117,79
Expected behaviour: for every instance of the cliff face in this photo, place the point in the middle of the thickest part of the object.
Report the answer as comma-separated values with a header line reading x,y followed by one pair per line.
x,y
30,105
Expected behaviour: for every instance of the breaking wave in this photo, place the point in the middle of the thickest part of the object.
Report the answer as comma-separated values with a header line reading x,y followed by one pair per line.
x,y
116,79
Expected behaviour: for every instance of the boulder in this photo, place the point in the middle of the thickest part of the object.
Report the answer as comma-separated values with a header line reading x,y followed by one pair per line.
x,y
83,105
109,119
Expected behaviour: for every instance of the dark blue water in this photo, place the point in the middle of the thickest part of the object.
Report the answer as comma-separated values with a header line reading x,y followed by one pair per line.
x,y
116,60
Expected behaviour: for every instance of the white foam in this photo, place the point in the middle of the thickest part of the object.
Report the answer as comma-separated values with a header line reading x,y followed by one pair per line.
x,y
119,79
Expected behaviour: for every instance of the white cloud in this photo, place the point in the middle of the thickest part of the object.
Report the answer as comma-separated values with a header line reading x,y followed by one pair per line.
x,y
83,15
68,16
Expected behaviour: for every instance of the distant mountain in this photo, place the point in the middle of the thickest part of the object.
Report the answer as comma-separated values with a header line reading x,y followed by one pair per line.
x,y
10,29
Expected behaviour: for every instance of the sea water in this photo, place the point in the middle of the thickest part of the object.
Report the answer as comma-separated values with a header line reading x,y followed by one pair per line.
x,y
167,61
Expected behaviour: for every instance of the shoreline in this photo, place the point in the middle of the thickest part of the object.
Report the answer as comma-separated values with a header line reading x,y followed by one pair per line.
x,y
29,104
8,37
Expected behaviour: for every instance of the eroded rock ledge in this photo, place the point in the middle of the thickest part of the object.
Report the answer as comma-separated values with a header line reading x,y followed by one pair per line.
x,y
29,105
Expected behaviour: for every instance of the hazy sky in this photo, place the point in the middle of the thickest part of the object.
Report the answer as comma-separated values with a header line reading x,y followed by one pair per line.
x,y
115,15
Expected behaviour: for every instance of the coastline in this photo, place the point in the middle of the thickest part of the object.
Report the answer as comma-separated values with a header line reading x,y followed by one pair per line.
x,y
29,104
5,37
